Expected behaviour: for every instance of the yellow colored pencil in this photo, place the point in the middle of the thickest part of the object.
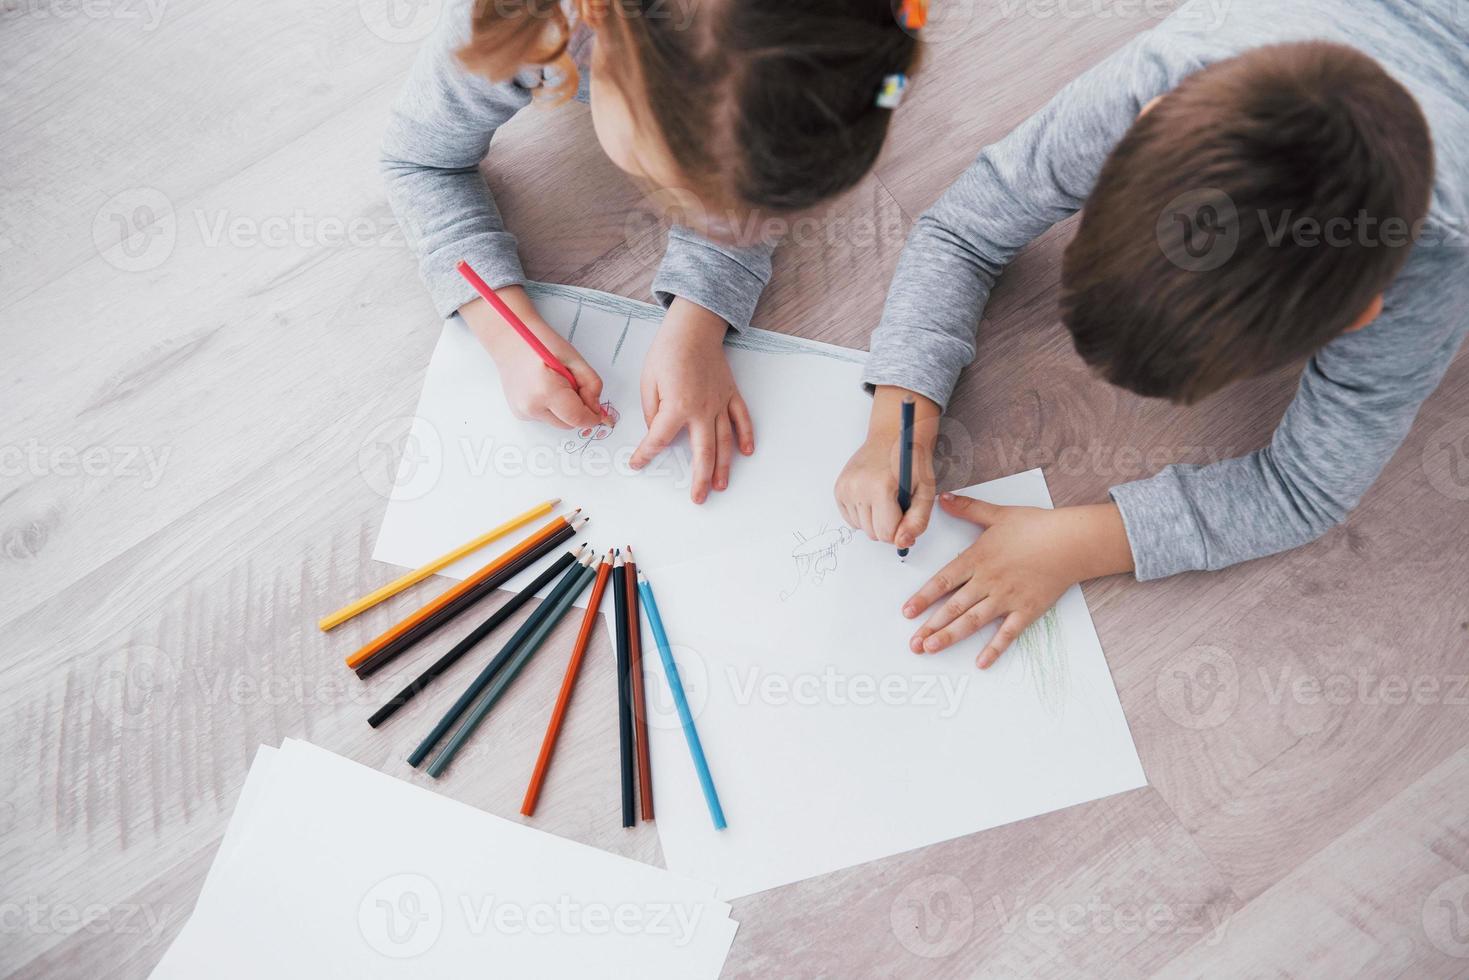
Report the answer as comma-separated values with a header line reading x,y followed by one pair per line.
x,y
443,561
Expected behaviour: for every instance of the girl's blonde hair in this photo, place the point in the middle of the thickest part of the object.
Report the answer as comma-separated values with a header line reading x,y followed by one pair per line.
x,y
761,103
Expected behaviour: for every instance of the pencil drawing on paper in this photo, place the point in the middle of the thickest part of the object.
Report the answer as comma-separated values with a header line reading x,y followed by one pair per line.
x,y
816,556
587,435
1044,656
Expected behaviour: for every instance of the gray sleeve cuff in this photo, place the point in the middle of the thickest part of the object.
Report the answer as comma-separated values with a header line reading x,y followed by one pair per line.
x,y
492,254
1162,528
928,364
722,279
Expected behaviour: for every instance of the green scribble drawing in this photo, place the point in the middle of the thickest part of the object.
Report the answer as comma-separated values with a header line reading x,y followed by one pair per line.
x,y
1045,660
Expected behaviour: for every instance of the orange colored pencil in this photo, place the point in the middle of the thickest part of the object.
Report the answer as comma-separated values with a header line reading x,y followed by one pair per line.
x,y
573,666
635,668
547,530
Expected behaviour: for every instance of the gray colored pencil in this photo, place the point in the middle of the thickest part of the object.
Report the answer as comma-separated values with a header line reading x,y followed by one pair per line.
x,y
508,673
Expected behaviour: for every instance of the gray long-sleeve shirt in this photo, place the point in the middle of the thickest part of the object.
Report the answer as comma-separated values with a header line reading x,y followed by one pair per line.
x,y
440,131
1358,395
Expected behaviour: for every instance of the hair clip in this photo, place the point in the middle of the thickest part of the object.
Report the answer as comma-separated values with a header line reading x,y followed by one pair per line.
x,y
890,95
913,14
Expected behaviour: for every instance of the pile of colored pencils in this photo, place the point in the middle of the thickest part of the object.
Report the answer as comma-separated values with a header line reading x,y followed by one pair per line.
x,y
568,577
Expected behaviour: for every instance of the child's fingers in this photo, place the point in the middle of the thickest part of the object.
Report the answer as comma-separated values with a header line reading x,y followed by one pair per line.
x,y
588,384
864,519
885,517
975,511
661,432
701,437
567,406
723,450
915,521
952,576
649,392
1013,626
974,615
744,426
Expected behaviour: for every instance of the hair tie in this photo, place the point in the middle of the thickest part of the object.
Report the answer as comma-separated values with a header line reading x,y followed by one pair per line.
x,y
890,95
913,14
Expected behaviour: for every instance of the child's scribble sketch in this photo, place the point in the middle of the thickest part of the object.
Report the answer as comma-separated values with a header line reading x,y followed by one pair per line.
x,y
596,433
816,556
1045,660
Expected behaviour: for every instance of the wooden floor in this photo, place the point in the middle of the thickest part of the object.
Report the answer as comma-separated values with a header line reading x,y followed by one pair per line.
x,y
188,413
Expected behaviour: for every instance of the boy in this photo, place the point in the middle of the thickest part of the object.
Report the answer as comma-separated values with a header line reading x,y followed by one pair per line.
x,y
1292,182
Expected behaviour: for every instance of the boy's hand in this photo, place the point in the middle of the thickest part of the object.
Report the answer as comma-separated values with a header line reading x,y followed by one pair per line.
x,y
1018,568
867,490
687,384
532,389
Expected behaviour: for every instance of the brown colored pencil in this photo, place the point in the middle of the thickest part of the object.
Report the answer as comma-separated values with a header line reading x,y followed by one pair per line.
x,y
635,670
573,667
545,532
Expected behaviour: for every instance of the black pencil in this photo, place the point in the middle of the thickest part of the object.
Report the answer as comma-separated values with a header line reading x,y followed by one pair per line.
x,y
624,692
469,642
478,685
454,609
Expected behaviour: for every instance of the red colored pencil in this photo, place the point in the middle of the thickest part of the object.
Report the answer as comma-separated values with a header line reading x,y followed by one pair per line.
x,y
635,669
573,666
517,324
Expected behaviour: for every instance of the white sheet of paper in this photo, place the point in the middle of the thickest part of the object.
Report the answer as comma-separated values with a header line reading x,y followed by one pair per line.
x,y
830,743
469,463
336,870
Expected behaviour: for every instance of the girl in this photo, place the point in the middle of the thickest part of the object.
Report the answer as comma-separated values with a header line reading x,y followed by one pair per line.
x,y
745,104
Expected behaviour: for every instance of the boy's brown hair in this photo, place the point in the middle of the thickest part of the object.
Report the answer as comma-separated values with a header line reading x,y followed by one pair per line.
x,y
762,103
1253,215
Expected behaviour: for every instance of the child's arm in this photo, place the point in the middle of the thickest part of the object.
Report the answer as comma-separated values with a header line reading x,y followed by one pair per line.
x,y
1357,399
439,131
1016,189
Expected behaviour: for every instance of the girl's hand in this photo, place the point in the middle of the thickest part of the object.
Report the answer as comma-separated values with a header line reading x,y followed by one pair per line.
x,y
687,383
867,490
1018,569
532,389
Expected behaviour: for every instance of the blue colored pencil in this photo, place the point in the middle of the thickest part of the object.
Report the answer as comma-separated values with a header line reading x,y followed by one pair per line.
x,y
670,669
905,465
